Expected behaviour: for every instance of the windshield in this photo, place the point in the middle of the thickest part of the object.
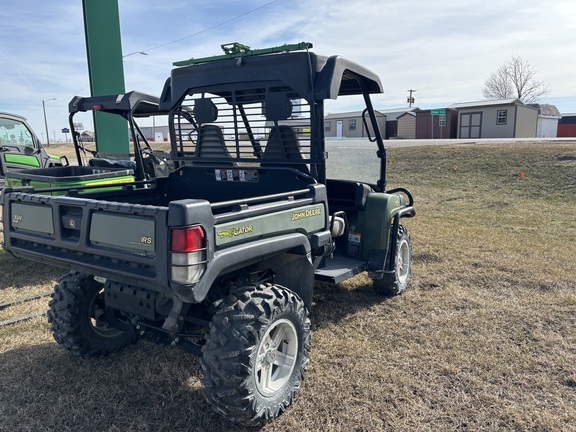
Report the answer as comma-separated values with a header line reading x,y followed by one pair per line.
x,y
352,159
15,132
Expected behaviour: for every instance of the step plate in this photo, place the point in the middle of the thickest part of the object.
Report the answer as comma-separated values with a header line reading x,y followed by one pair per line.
x,y
339,269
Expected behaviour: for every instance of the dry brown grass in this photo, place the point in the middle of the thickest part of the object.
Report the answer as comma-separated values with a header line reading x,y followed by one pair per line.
x,y
67,149
485,338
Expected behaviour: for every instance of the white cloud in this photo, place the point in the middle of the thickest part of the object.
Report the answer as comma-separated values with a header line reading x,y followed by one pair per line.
x,y
444,49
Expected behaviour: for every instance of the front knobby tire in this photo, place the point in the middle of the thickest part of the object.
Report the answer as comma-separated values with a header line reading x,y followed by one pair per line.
x,y
396,283
75,315
256,353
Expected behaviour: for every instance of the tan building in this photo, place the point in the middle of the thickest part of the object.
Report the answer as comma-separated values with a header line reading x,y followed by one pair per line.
x,y
350,125
407,125
392,116
87,136
506,118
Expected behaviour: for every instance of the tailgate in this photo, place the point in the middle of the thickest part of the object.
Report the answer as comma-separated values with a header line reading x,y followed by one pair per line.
x,y
114,240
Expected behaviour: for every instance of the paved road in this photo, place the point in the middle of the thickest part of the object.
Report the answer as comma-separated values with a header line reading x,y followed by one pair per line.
x,y
364,143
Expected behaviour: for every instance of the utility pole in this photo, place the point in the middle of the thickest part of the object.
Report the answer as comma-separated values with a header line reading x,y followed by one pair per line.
x,y
410,99
45,122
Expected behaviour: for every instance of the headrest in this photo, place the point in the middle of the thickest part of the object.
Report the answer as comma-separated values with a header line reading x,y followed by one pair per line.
x,y
205,111
277,107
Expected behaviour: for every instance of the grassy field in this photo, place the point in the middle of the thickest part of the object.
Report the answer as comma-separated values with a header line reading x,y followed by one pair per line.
x,y
483,340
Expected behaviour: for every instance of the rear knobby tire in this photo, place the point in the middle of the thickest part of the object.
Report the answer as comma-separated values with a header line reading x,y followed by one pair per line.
x,y
396,283
76,309
256,353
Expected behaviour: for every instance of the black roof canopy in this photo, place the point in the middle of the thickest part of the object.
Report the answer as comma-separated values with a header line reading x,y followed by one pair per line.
x,y
312,77
140,104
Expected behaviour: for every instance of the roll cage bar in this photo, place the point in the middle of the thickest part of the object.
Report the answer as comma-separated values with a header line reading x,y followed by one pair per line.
x,y
130,106
312,77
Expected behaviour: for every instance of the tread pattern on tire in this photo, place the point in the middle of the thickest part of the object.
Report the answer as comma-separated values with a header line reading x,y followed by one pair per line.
x,y
230,350
389,285
69,316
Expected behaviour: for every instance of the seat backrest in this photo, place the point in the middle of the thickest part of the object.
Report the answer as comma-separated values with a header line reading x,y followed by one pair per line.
x,y
211,143
283,144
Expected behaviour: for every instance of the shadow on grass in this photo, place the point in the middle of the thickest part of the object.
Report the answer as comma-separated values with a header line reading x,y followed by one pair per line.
x,y
17,273
144,388
334,303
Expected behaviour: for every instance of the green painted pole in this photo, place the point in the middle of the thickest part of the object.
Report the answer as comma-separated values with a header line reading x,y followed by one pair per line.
x,y
106,71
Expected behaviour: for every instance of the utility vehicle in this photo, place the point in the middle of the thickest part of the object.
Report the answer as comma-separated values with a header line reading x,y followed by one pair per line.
x,y
220,257
92,170
20,148
147,161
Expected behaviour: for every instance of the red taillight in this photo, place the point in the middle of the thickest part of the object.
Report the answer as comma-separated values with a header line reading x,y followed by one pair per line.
x,y
97,107
187,254
187,239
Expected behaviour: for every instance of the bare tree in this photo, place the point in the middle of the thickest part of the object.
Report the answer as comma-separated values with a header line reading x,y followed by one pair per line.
x,y
515,78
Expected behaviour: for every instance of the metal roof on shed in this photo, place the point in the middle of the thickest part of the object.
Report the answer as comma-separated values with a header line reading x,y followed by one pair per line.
x,y
393,114
568,119
546,110
348,115
512,101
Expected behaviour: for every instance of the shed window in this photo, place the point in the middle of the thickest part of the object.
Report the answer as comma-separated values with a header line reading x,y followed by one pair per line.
x,y
501,117
327,126
352,125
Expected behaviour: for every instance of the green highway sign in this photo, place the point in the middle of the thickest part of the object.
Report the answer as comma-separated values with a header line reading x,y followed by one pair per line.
x,y
438,112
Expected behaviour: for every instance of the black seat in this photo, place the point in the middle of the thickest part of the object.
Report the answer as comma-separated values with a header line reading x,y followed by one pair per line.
x,y
211,145
283,145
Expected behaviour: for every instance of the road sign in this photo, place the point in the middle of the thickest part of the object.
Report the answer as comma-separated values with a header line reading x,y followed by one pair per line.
x,y
438,112
65,130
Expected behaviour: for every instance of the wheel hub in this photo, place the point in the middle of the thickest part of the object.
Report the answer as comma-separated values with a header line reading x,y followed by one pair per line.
x,y
276,357
269,357
403,262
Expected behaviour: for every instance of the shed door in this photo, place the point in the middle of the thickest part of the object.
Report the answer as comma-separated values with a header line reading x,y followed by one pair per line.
x,y
470,125
339,129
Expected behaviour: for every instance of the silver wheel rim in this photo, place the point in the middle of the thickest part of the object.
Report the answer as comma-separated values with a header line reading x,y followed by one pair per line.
x,y
276,358
403,262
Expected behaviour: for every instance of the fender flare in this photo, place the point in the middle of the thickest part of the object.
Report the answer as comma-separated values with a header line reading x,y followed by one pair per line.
x,y
243,255
381,261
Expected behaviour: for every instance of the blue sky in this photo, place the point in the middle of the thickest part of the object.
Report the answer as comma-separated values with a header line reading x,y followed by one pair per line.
x,y
443,49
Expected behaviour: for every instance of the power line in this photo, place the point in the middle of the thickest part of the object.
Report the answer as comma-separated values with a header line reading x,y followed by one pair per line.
x,y
70,97
210,28
181,39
